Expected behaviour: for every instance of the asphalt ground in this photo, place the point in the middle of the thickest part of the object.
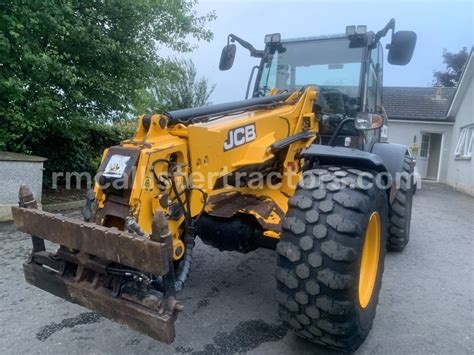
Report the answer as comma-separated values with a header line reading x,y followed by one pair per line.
x,y
426,303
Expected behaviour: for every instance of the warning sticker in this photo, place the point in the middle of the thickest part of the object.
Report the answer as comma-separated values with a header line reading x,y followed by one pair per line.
x,y
116,166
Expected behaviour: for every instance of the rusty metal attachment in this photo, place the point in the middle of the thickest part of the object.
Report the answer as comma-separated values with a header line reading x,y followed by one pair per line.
x,y
122,276
27,200
107,243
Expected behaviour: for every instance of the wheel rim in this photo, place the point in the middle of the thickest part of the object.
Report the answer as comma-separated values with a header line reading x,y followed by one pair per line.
x,y
370,260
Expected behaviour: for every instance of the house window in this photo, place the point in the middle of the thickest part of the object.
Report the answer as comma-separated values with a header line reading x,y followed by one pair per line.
x,y
425,145
465,142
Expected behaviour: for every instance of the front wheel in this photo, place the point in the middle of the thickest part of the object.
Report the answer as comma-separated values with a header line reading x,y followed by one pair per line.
x,y
400,212
330,257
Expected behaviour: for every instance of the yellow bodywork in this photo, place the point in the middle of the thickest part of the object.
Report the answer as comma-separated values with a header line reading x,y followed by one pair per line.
x,y
198,148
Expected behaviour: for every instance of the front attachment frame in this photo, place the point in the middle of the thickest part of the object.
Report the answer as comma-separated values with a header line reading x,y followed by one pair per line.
x,y
104,269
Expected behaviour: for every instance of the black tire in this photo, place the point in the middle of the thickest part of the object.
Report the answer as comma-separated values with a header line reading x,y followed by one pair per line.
x,y
319,256
400,211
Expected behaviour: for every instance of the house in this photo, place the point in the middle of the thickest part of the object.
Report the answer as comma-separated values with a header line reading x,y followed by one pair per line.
x,y
437,124
417,119
460,161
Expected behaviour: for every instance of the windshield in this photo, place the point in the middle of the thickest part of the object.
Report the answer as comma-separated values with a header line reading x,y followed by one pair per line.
x,y
328,64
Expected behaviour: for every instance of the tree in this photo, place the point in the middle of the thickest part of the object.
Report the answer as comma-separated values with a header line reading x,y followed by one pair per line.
x,y
188,91
180,89
67,61
454,67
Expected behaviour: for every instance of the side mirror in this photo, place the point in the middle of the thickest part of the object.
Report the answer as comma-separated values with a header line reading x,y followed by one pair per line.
x,y
227,57
402,47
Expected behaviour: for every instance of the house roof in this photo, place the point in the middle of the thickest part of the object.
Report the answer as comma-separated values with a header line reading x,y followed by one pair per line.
x,y
463,85
418,103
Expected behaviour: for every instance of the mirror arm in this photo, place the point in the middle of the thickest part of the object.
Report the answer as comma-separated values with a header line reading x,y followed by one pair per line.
x,y
383,32
253,52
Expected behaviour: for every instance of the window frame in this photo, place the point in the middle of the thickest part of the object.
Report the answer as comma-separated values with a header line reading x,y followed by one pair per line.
x,y
425,145
379,99
465,143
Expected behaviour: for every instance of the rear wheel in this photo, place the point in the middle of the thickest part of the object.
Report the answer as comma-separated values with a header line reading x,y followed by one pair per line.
x,y
330,257
400,211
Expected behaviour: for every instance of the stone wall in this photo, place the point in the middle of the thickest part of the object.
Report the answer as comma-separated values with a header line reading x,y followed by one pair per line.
x,y
17,169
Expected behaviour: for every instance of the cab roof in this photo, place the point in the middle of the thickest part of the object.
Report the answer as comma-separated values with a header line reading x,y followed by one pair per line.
x,y
313,38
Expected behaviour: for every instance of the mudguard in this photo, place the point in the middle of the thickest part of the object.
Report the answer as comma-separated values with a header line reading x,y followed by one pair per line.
x,y
392,156
384,157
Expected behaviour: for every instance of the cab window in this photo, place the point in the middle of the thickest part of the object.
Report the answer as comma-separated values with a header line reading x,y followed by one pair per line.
x,y
374,93
371,88
374,80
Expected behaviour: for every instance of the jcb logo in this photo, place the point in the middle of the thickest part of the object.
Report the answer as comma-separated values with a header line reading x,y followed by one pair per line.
x,y
239,136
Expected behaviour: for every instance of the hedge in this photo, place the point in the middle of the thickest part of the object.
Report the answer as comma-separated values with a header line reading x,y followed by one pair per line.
x,y
77,147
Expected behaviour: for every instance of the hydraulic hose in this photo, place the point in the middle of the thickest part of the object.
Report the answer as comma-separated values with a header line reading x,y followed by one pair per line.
x,y
189,115
185,267
189,228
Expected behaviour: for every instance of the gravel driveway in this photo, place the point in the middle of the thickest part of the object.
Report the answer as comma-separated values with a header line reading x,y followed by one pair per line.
x,y
425,304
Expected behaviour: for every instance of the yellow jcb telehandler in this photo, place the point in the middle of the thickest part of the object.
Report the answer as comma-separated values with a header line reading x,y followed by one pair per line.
x,y
303,167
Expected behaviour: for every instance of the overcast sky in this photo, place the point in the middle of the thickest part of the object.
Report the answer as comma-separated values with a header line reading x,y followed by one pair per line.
x,y
438,24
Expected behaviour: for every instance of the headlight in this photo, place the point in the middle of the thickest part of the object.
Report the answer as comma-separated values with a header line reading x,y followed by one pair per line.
x,y
365,121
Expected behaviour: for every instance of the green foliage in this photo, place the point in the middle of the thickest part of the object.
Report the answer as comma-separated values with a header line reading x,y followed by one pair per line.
x,y
75,147
67,66
454,66
180,89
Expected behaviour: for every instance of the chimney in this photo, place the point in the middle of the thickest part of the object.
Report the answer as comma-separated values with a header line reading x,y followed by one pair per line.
x,y
439,91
